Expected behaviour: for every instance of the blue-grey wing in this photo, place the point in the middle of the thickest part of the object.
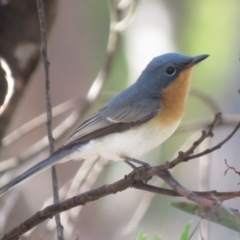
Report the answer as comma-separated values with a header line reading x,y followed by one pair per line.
x,y
123,112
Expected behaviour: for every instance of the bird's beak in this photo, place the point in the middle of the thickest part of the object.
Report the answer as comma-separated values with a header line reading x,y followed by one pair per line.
x,y
197,59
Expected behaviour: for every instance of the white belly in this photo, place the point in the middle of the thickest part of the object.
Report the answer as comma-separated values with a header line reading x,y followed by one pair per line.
x,y
132,143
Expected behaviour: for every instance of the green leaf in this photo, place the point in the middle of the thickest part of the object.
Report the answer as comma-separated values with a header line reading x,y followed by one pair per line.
x,y
185,232
156,237
142,236
224,216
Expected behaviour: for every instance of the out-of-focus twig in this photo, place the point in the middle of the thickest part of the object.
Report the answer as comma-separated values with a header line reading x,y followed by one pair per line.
x,y
213,105
84,181
92,95
10,84
227,120
38,121
121,25
43,31
139,212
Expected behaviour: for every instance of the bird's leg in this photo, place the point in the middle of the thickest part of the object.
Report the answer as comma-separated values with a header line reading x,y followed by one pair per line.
x,y
129,161
130,164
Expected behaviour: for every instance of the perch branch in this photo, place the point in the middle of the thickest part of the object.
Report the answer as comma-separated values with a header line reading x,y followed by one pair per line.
x,y
89,196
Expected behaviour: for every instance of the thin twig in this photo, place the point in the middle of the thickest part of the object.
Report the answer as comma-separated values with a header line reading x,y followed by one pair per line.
x,y
122,25
38,121
195,229
207,99
219,145
182,156
43,29
230,168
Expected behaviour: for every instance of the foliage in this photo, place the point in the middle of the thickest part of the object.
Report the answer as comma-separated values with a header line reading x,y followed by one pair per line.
x,y
224,216
184,236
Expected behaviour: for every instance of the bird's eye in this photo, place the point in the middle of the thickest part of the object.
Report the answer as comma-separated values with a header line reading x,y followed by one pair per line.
x,y
170,70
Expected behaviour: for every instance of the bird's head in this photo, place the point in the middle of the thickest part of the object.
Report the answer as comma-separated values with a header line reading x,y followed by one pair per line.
x,y
167,70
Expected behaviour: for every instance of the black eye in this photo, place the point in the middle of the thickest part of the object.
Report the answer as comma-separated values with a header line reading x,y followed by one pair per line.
x,y
170,70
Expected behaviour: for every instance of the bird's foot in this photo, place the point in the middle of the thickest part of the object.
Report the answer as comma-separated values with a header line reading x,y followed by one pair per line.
x,y
129,161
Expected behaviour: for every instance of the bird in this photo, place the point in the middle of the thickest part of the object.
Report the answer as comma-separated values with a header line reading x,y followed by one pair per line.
x,y
137,120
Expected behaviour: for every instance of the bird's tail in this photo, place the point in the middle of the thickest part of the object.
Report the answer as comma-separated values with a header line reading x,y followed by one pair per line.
x,y
55,157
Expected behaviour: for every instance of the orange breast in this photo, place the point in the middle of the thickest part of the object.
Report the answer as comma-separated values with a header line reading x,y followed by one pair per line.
x,y
174,97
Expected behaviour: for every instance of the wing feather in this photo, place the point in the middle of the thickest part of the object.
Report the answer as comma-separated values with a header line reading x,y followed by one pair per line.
x,y
119,115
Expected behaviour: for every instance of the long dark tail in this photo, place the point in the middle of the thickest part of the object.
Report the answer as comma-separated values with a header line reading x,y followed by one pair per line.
x,y
55,157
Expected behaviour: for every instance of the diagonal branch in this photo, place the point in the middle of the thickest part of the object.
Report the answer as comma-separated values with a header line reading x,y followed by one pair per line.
x,y
167,177
211,195
89,196
81,199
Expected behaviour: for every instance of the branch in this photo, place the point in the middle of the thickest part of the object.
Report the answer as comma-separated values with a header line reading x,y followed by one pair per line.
x,y
93,195
81,199
167,177
43,30
219,145
182,156
211,195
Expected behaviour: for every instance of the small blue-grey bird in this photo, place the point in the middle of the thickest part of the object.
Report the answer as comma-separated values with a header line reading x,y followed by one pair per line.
x,y
136,121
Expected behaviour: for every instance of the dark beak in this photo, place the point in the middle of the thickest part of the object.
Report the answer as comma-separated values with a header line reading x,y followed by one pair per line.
x,y
198,59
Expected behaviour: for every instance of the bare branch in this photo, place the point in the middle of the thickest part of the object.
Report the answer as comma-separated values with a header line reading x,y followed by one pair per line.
x,y
43,30
211,195
219,145
93,195
182,156
81,199
167,177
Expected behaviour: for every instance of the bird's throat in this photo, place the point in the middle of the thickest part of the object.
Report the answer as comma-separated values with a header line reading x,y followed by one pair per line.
x,y
174,97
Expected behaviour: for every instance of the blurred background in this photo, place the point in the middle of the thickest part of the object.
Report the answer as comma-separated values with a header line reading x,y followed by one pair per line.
x,y
78,48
